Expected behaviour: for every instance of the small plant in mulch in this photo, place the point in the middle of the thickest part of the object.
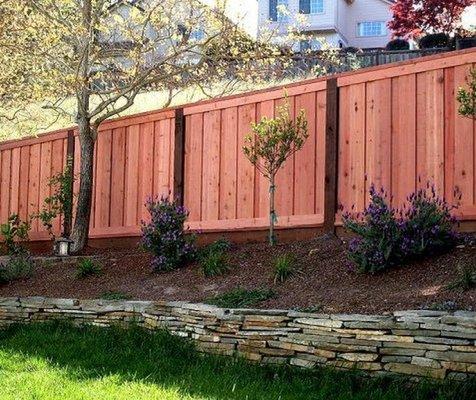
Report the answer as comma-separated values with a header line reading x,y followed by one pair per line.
x,y
284,267
387,236
213,259
241,298
18,266
466,277
88,267
115,295
165,236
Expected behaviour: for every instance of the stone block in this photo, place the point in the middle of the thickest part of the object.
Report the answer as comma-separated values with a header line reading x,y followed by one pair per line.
x,y
455,356
366,357
425,362
396,359
319,322
416,370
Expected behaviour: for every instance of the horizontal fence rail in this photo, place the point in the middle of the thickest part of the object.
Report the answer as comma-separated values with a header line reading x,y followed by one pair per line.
x,y
395,126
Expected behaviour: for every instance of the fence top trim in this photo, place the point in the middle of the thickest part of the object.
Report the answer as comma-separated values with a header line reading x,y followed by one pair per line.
x,y
120,122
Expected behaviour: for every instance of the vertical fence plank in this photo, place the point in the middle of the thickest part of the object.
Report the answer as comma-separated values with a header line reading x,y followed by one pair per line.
x,y
285,176
15,181
211,165
464,141
430,129
193,165
228,163
379,134
304,173
5,184
245,192
261,206
45,172
118,170
403,138
322,155
165,132
103,179
146,170
131,180
24,174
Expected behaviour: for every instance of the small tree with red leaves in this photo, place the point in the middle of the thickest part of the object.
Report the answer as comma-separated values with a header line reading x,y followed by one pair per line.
x,y
411,18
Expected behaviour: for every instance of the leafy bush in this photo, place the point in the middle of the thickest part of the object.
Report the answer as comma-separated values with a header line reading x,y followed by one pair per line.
x,y
165,236
284,267
388,236
213,258
397,44
18,266
87,267
434,40
13,232
241,298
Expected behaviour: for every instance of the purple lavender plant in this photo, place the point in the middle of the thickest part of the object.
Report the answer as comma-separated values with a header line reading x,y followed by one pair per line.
x,y
387,236
377,245
165,236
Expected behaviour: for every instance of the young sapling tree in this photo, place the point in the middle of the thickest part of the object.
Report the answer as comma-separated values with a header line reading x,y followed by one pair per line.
x,y
271,143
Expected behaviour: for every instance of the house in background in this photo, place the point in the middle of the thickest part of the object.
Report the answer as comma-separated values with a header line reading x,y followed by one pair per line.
x,y
342,23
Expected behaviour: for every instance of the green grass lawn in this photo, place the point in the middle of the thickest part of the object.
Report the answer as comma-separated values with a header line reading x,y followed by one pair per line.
x,y
57,361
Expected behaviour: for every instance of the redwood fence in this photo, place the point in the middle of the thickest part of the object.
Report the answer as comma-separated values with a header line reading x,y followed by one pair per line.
x,y
396,126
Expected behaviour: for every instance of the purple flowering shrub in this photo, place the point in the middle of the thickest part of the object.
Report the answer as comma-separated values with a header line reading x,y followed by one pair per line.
x,y
165,237
387,236
379,236
428,226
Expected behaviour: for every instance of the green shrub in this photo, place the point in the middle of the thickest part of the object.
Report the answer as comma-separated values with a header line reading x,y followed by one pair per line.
x,y
87,267
241,298
113,295
18,266
213,258
466,277
14,231
284,267
215,263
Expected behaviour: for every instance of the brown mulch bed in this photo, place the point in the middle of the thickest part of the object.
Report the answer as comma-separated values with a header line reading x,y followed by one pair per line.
x,y
323,281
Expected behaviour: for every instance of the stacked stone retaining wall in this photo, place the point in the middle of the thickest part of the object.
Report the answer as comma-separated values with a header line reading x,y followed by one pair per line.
x,y
418,343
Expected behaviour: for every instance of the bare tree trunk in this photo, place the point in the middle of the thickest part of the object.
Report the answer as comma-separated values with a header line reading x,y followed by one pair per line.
x,y
272,211
83,207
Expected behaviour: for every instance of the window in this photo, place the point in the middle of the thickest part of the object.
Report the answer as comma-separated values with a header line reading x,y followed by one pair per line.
x,y
278,10
311,6
317,6
282,10
371,28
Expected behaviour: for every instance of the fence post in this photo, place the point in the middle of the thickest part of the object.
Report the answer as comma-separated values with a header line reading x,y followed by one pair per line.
x,y
179,155
332,147
68,214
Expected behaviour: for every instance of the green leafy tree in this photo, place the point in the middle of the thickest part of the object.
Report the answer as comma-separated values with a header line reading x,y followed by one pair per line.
x,y
272,142
467,97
